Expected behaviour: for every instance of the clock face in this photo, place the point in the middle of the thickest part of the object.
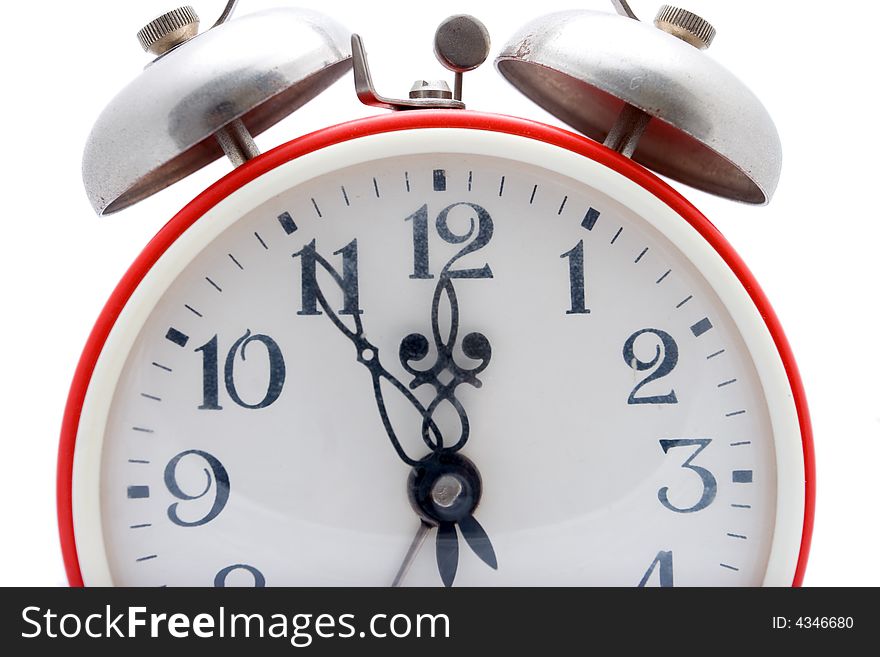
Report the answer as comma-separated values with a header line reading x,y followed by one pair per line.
x,y
399,361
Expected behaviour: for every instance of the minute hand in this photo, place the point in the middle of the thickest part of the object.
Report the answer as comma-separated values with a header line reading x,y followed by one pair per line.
x,y
368,355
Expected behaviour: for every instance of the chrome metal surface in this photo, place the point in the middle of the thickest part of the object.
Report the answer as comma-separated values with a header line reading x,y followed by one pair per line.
x,y
627,130
461,44
366,92
256,68
622,8
169,30
685,25
446,490
709,130
430,89
227,13
237,143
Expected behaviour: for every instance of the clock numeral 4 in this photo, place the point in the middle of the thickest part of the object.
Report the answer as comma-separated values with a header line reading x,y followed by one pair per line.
x,y
710,485
220,578
217,479
665,359
663,564
210,372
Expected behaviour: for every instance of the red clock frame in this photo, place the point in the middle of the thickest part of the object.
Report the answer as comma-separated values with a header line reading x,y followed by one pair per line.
x,y
389,123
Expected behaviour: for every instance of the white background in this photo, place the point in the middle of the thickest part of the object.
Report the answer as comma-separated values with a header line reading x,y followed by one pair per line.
x,y
813,249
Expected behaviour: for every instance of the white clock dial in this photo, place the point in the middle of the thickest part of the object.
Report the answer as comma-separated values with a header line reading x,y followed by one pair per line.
x,y
604,386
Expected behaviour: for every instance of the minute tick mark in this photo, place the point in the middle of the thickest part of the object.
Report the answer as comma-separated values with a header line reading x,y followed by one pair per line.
x,y
685,300
726,383
376,187
532,197
641,255
216,287
192,310
470,179
345,195
406,179
153,397
501,187
724,565
616,235
147,558
740,536
717,353
562,206
732,414
260,240
663,277
162,367
317,209
237,263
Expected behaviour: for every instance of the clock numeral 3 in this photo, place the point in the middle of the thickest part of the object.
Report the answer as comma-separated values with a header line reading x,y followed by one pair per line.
x,y
664,360
483,227
663,563
217,479
210,376
710,485
220,578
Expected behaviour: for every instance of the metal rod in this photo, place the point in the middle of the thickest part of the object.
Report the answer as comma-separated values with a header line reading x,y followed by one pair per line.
x,y
414,548
459,78
627,130
237,143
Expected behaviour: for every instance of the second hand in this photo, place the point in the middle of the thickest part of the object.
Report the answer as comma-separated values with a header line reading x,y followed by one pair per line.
x,y
414,547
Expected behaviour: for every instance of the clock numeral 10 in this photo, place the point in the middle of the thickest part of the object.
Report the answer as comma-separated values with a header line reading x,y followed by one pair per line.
x,y
210,372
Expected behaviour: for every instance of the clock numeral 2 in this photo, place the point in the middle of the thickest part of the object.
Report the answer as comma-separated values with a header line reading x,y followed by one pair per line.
x,y
210,376
217,479
710,485
483,226
664,360
663,563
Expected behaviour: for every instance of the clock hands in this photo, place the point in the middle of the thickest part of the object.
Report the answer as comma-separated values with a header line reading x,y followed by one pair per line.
x,y
444,487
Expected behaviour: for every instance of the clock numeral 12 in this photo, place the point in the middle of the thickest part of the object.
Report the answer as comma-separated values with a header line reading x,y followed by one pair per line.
x,y
483,227
210,372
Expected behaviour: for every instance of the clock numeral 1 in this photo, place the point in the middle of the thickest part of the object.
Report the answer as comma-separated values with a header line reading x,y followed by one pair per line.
x,y
576,277
663,563
210,368
220,578
217,479
710,485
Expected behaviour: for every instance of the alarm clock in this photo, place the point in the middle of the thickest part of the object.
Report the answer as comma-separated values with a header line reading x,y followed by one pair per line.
x,y
436,346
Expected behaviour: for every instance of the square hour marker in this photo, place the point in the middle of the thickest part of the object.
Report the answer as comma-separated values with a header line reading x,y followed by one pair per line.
x,y
742,476
590,218
178,338
439,180
138,492
701,327
287,222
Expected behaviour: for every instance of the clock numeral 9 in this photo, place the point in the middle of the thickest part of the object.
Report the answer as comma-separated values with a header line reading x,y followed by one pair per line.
x,y
483,226
664,360
710,485
217,479
663,563
220,578
210,374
